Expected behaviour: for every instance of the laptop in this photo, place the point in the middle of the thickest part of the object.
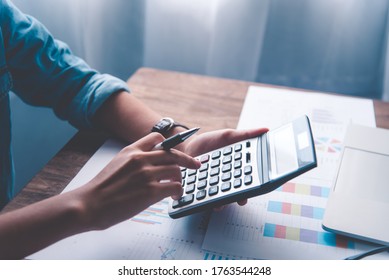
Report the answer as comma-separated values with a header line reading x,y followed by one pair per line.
x,y
358,205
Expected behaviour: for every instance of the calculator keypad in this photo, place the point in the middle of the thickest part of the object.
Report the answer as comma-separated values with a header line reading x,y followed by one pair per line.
x,y
222,172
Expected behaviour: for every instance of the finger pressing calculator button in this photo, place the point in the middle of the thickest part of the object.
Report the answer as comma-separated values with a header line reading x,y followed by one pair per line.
x,y
248,179
213,190
201,194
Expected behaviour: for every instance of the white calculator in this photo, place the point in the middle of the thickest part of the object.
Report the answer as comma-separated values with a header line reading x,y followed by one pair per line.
x,y
248,168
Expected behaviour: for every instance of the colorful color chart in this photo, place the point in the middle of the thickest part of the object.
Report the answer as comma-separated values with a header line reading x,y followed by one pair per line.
x,y
295,209
305,189
153,214
329,145
307,235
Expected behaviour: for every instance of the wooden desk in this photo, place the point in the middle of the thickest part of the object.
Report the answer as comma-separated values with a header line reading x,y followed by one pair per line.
x,y
210,103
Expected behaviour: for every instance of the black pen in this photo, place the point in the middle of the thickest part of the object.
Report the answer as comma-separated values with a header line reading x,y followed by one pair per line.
x,y
176,139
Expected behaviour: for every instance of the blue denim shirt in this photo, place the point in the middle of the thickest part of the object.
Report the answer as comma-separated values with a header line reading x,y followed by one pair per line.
x,y
43,72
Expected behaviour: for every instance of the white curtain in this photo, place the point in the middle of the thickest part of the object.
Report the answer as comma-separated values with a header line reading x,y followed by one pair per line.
x,y
330,45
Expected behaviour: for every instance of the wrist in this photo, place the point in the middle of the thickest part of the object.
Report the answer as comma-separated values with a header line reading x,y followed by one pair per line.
x,y
168,127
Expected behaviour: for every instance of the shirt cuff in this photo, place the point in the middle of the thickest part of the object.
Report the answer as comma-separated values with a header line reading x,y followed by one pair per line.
x,y
87,102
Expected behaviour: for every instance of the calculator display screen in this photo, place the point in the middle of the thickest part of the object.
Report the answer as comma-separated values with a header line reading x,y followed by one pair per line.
x,y
283,154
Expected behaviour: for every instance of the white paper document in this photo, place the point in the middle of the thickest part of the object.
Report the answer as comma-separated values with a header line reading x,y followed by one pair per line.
x,y
286,224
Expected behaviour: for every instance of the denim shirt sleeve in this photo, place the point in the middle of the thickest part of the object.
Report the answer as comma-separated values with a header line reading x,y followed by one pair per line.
x,y
46,73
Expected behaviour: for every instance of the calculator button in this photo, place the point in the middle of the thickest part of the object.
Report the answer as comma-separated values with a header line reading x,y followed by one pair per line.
x,y
237,183
227,159
237,164
204,158
226,186
185,200
227,151
215,154
248,157
226,176
215,171
192,172
201,194
183,174
248,170
204,167
175,203
238,156
226,167
214,180
248,144
238,147
191,179
183,182
248,179
215,163
190,188
201,185
213,190
203,175
237,173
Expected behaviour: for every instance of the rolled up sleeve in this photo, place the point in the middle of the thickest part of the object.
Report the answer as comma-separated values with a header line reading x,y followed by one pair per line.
x,y
46,73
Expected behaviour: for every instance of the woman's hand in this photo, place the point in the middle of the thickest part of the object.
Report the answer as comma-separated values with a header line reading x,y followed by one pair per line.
x,y
135,179
209,141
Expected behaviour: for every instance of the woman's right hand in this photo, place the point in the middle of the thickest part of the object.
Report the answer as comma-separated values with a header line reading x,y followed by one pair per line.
x,y
136,178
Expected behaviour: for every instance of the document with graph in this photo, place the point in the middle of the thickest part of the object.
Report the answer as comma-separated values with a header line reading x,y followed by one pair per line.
x,y
286,224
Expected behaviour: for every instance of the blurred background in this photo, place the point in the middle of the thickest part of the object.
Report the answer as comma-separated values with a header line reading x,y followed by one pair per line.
x,y
336,46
